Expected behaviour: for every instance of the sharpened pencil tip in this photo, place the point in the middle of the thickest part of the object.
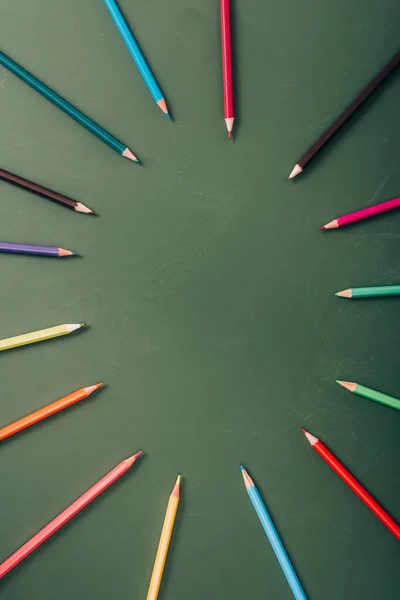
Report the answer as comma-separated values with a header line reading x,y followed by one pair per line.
x,y
242,468
133,458
167,115
230,135
322,228
295,171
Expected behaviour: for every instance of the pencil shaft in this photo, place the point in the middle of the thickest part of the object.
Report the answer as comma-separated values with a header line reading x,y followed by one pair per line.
x,y
63,518
64,105
350,110
366,213
371,394
163,546
40,190
276,543
29,249
226,47
134,50
36,336
374,291
357,488
43,413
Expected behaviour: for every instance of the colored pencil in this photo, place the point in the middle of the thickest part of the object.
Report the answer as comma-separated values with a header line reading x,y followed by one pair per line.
x,y
12,248
273,537
38,336
370,292
364,213
226,44
353,484
366,392
66,515
345,116
48,411
65,106
44,192
137,55
163,546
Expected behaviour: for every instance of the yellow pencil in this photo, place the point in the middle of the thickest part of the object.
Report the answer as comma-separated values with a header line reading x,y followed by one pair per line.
x,y
165,539
38,336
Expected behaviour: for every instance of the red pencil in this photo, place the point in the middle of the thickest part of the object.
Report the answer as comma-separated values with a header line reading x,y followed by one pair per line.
x,y
353,484
66,515
362,214
229,116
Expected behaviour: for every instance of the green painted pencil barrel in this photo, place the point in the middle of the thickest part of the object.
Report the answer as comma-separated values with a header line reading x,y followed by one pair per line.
x,y
366,392
370,292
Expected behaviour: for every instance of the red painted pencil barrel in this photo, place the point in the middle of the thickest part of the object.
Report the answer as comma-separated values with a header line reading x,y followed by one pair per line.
x,y
227,58
357,488
63,518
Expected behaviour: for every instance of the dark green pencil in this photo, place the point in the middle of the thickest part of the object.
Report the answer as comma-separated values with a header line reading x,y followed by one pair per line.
x,y
366,392
65,106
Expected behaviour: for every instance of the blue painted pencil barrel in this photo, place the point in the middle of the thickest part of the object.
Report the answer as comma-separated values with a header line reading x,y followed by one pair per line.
x,y
134,50
65,106
276,543
12,248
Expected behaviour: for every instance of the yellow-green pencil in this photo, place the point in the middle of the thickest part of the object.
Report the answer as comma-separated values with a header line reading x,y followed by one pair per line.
x,y
38,336
165,539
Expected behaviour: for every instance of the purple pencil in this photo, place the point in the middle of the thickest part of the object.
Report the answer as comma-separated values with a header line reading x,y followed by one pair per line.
x,y
37,250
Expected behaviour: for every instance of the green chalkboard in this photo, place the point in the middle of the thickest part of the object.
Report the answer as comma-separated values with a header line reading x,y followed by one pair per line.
x,y
209,294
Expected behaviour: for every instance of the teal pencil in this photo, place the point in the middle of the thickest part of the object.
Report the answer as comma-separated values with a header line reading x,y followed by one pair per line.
x,y
273,536
65,106
370,292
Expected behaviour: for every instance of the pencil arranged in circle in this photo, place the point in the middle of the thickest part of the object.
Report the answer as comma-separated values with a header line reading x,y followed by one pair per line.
x,y
353,484
39,336
66,515
273,537
370,292
48,411
364,213
227,81
44,192
365,392
11,248
137,55
66,107
163,546
345,116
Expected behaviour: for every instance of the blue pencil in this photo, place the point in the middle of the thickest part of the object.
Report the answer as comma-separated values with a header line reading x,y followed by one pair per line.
x,y
137,55
273,537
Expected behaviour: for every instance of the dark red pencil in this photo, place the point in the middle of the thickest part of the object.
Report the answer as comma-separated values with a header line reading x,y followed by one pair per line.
x,y
229,115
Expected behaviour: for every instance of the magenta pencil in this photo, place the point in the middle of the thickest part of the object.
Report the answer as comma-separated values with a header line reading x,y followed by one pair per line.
x,y
364,213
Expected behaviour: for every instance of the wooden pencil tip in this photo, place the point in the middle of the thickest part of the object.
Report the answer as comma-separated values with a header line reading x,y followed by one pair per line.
x,y
128,154
83,209
230,135
349,385
63,252
344,294
322,228
295,171
92,388
133,458
311,438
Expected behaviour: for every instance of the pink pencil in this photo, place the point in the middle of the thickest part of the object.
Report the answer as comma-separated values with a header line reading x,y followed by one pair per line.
x,y
66,515
229,115
365,213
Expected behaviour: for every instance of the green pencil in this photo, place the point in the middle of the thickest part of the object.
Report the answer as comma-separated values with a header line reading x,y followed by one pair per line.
x,y
370,292
361,390
65,106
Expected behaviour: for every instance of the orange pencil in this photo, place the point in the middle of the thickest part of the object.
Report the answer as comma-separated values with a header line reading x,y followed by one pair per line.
x,y
47,411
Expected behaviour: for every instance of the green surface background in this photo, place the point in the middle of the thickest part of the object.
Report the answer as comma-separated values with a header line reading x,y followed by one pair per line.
x,y
209,293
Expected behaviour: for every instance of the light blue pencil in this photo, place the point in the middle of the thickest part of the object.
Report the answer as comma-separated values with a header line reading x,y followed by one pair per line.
x,y
273,536
137,55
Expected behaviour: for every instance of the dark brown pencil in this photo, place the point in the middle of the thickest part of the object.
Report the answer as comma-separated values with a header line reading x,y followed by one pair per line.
x,y
345,116
44,192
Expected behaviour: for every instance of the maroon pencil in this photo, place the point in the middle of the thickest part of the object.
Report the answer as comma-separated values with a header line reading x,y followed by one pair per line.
x,y
226,44
44,192
345,116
